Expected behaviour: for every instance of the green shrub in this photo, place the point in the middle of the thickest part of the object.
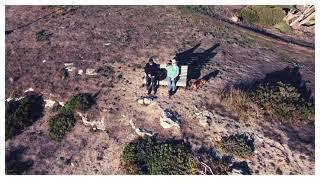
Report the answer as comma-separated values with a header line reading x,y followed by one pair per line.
x,y
43,35
263,15
21,114
238,144
283,27
284,101
148,156
60,124
80,102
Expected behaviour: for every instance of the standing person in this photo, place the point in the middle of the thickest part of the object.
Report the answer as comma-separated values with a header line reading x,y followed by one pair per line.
x,y
151,71
173,73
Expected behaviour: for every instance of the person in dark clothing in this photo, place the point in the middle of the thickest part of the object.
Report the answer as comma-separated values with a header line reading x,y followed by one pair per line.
x,y
151,69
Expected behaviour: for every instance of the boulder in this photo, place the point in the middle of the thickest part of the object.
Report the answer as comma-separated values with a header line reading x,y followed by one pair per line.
x,y
169,119
91,72
100,124
144,132
50,103
80,71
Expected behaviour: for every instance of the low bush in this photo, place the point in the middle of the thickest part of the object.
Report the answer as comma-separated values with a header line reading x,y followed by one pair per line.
x,y
238,144
80,102
21,114
60,124
148,156
237,101
282,95
283,27
43,35
263,15
283,101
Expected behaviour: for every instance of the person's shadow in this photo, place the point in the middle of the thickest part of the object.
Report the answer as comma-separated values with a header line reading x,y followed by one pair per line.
x,y
195,61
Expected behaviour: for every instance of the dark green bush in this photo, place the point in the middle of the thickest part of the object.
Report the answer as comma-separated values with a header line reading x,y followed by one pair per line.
x,y
148,156
60,124
238,144
80,102
21,114
43,35
284,101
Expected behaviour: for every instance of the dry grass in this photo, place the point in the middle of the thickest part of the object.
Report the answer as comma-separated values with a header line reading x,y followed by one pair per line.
x,y
237,101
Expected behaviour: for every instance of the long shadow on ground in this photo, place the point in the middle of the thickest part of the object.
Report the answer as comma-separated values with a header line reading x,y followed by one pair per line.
x,y
15,165
195,61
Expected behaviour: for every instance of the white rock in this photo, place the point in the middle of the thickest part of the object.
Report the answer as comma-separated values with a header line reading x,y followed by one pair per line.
x,y
68,64
234,19
11,79
80,71
147,101
140,101
49,103
91,72
144,132
30,89
71,68
204,122
164,123
168,119
95,124
9,99
44,61
61,103
107,44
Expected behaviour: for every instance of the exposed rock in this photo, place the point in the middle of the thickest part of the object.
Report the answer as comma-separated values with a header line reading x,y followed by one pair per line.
x,y
68,64
95,124
50,103
80,71
205,117
140,131
69,67
44,61
61,103
144,132
11,79
145,100
169,119
234,19
140,101
91,72
28,90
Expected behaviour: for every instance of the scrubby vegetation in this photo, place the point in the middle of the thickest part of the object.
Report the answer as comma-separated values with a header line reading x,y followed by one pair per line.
x,y
282,94
283,101
263,15
238,144
283,27
43,35
64,120
21,114
148,156
79,102
238,101
218,166
60,124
